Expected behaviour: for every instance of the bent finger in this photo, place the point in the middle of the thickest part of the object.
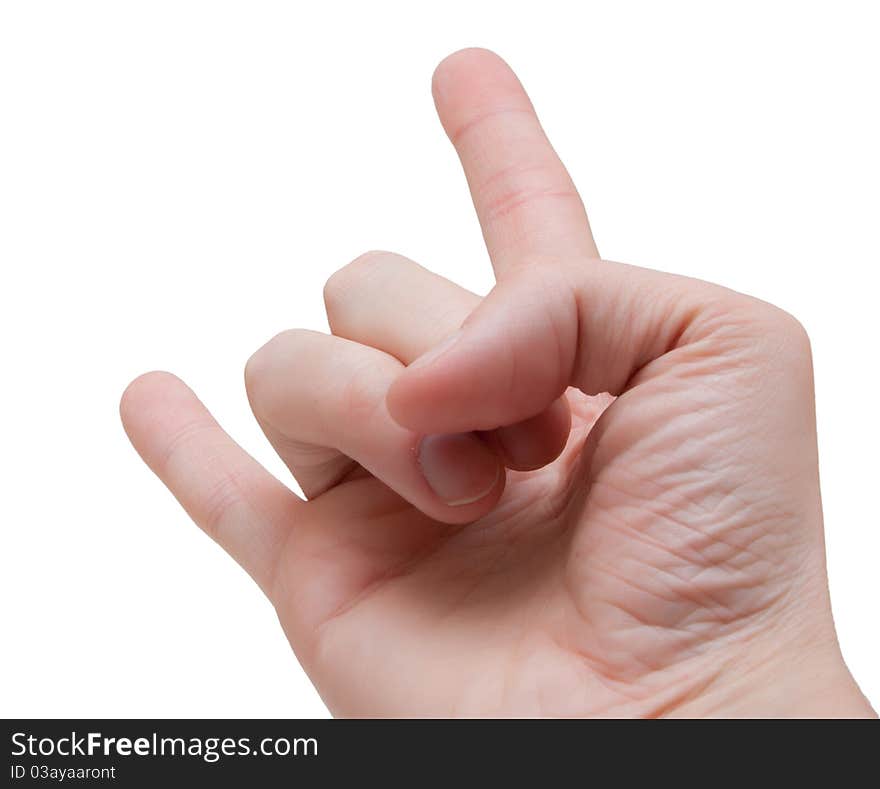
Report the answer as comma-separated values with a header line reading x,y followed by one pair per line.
x,y
321,390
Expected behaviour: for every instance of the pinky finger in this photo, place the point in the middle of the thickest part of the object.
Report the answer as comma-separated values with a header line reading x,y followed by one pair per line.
x,y
223,489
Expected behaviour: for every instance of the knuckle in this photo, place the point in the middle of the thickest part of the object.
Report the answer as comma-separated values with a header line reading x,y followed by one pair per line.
x,y
360,398
180,444
794,336
782,325
265,363
782,335
350,278
522,199
220,504
252,371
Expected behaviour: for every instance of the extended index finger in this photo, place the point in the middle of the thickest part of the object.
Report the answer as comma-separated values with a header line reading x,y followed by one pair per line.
x,y
525,199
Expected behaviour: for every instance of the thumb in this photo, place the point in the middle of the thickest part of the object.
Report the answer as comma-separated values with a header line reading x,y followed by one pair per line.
x,y
593,326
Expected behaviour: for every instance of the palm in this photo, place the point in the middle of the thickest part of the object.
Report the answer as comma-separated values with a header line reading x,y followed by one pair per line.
x,y
582,599
402,611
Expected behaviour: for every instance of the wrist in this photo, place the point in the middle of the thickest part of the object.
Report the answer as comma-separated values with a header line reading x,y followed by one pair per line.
x,y
805,680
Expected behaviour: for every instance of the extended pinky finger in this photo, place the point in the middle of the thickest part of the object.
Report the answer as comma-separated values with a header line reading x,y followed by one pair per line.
x,y
224,490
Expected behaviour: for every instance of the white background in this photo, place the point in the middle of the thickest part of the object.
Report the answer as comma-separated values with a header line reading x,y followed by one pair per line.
x,y
178,179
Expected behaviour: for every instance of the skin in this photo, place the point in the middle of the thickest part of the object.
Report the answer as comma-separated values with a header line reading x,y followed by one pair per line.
x,y
592,493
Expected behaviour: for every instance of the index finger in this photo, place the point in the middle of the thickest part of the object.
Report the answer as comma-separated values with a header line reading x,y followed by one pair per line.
x,y
525,199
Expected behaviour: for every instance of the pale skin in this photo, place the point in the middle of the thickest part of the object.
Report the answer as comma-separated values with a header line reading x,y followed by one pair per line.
x,y
600,497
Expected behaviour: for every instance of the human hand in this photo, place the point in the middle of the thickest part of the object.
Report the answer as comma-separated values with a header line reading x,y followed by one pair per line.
x,y
599,496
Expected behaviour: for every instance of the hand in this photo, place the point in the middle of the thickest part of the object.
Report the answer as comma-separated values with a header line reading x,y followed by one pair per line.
x,y
593,492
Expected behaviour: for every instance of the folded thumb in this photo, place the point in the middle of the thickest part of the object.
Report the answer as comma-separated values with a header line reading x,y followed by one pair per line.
x,y
509,361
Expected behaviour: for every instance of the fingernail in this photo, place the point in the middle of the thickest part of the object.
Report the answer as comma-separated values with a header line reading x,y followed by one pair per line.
x,y
437,351
459,467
